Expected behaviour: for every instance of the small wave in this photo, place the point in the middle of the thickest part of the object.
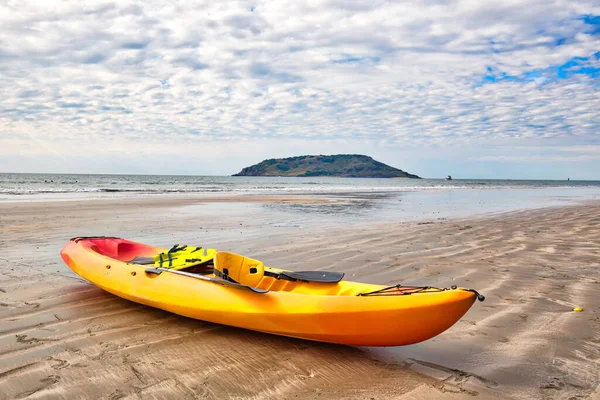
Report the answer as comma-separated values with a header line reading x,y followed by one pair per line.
x,y
34,191
26,191
163,190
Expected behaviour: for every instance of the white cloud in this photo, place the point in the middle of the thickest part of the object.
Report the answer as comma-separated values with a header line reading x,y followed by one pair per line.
x,y
115,81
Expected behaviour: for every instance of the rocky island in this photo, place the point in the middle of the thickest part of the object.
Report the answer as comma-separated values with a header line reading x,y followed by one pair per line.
x,y
340,165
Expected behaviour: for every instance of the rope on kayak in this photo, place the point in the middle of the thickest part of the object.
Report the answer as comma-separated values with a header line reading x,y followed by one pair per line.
x,y
399,290
78,238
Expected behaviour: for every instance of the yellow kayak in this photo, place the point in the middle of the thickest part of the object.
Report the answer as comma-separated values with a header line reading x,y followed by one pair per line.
x,y
231,289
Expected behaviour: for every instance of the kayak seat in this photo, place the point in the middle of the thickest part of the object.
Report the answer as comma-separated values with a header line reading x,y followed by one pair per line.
x,y
239,269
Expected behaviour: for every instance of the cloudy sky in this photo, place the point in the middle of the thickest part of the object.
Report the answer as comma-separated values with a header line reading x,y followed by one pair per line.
x,y
485,89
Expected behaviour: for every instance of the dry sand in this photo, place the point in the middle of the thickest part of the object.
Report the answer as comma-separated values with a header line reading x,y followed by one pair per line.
x,y
61,337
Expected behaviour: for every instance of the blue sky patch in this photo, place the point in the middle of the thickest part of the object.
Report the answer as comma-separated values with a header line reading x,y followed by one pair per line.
x,y
575,66
560,41
594,21
353,60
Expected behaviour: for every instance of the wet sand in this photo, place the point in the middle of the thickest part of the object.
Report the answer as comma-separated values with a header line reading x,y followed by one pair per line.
x,y
61,337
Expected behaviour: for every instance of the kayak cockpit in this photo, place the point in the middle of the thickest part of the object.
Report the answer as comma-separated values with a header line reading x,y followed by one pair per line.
x,y
116,248
233,269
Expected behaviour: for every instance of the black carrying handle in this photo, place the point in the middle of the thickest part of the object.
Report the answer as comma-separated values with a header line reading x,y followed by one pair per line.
x,y
480,297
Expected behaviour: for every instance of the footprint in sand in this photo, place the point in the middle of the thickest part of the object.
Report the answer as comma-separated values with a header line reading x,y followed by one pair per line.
x,y
554,384
117,394
138,375
24,339
58,363
50,380
452,380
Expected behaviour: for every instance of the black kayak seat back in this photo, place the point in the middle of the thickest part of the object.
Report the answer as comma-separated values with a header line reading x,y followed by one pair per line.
x,y
308,276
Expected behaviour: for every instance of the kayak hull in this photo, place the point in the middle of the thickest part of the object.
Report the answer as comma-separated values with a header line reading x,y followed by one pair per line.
x,y
300,312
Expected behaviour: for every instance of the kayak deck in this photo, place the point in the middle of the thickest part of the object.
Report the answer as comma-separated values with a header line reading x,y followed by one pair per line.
x,y
341,312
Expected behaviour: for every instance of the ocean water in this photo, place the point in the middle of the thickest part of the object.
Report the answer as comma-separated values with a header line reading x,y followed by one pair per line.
x,y
45,186
360,198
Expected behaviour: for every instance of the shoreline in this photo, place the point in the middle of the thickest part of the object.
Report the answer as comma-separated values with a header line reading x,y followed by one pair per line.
x,y
524,341
375,200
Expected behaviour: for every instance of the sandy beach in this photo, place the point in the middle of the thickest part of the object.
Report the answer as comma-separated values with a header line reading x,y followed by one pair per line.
x,y
61,337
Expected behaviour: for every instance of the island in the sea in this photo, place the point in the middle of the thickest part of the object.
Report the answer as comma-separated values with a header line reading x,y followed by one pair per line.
x,y
339,165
